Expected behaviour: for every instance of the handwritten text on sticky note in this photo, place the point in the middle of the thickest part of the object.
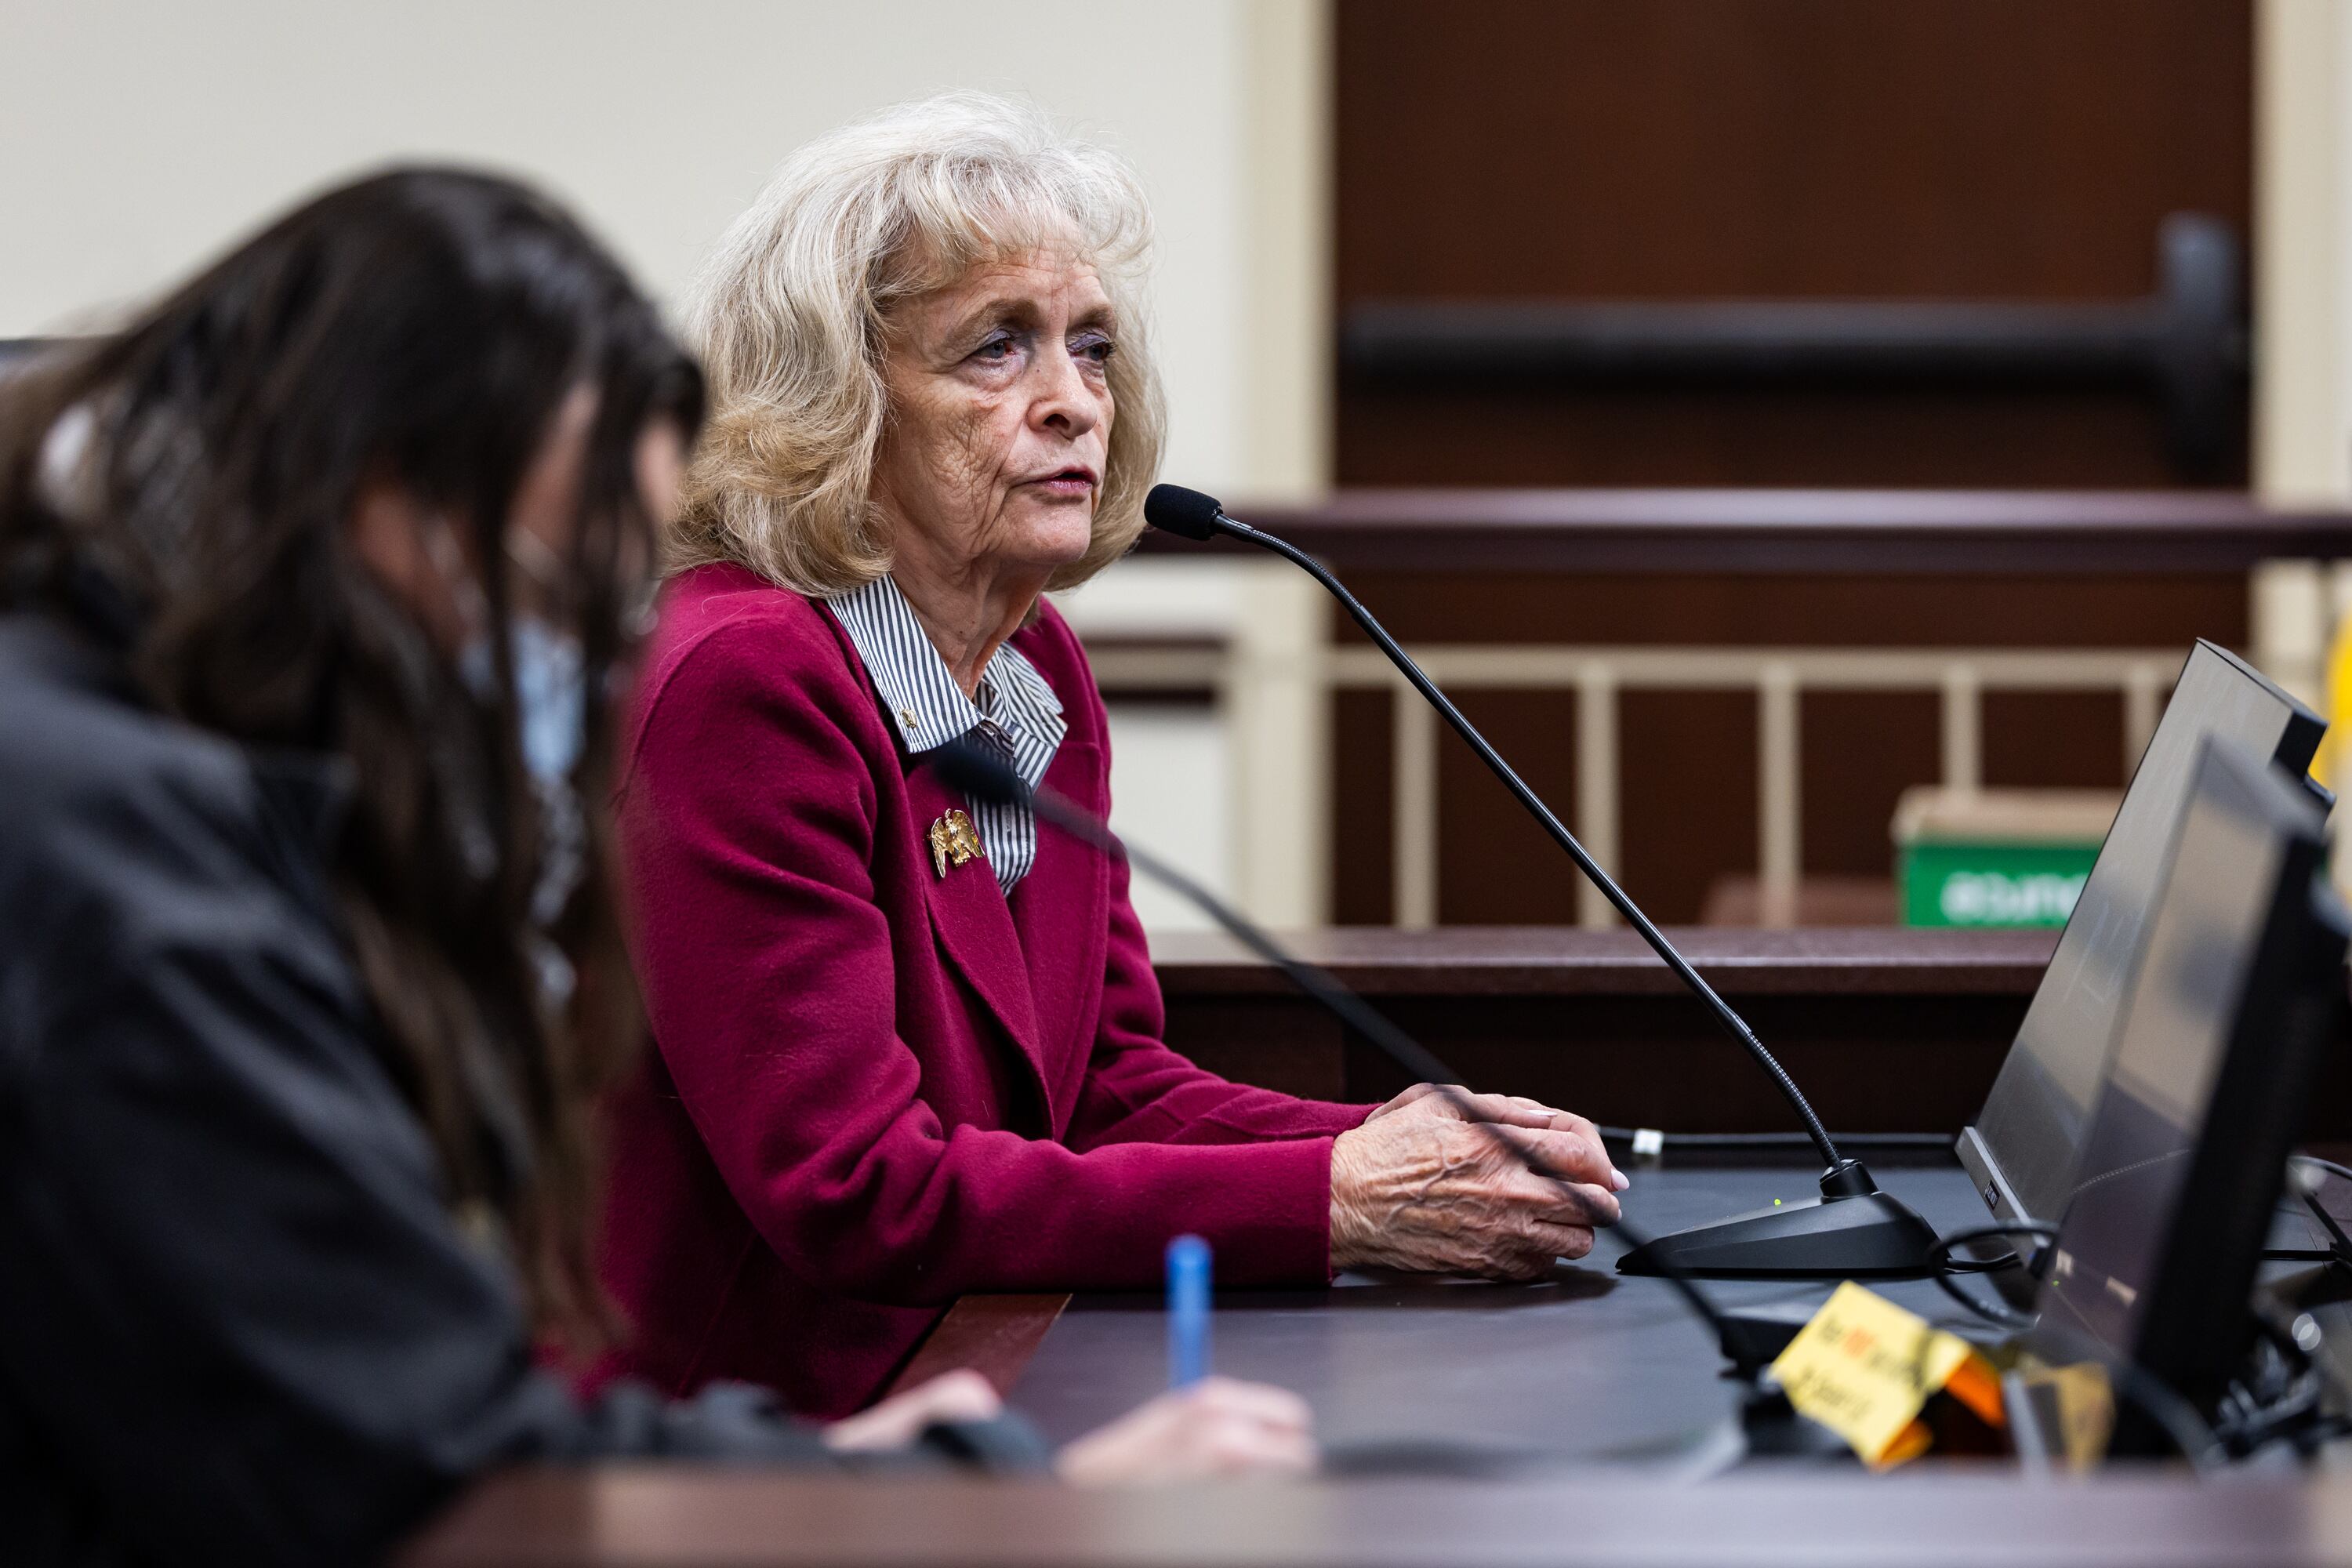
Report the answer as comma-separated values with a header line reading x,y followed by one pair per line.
x,y
1863,1367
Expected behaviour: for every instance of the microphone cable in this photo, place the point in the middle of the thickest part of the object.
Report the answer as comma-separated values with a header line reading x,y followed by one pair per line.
x,y
983,777
2282,1401
2184,1427
2280,1397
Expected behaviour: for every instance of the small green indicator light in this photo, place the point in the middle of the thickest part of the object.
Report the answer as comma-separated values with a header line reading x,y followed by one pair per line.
x,y
1776,1203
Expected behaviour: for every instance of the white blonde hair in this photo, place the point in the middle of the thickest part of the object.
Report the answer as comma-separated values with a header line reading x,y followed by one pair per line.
x,y
790,315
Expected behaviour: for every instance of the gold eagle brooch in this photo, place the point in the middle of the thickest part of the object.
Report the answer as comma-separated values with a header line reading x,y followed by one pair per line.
x,y
954,841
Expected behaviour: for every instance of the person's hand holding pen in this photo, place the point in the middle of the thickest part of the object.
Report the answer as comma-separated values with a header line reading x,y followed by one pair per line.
x,y
1215,1427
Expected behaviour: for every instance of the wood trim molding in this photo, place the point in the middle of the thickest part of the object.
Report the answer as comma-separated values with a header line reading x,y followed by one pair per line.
x,y
1551,960
1795,530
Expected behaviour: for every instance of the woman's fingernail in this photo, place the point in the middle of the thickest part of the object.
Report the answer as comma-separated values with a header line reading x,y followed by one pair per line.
x,y
1617,1179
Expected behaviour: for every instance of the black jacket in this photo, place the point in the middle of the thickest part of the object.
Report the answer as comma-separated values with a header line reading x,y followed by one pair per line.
x,y
236,1323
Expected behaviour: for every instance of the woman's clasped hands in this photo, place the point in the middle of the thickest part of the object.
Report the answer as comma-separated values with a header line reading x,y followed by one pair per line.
x,y
1439,1182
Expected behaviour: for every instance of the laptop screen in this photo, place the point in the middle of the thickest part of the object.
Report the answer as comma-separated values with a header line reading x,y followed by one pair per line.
x,y
2176,1020
2236,999
2034,1121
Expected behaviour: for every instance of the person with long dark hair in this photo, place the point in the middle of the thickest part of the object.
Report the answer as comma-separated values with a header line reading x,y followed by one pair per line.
x,y
314,582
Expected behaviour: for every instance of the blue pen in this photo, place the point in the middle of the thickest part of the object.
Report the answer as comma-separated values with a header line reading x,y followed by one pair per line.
x,y
1188,1311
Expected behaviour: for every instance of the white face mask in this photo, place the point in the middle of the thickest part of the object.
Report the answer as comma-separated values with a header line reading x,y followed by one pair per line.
x,y
551,694
549,670
552,708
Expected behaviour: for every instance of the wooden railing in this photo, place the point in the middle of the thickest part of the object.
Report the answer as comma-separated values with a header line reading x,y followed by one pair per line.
x,y
1778,676
2278,555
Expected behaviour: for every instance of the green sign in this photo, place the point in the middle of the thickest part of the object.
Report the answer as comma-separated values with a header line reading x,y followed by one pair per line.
x,y
1969,884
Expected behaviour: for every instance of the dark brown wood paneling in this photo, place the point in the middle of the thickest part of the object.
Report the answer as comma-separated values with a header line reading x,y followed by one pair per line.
x,y
1686,148
1685,797
1799,149
1363,858
1440,435
1495,866
1664,1061
1859,751
1889,1030
1282,1041
2054,740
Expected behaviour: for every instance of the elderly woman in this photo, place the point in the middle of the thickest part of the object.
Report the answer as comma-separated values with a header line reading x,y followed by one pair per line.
x,y
908,1047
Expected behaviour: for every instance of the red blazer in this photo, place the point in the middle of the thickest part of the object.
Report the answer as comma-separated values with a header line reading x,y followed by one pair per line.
x,y
875,1089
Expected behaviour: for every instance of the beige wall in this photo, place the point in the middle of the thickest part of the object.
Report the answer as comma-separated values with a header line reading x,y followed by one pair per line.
x,y
2303,327
138,136
2303,346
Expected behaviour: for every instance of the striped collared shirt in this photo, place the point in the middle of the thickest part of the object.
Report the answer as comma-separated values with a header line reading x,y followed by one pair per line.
x,y
1014,711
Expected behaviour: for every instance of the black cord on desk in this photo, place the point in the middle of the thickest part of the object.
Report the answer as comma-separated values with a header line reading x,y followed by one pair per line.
x,y
2258,1416
2187,1430
1948,1267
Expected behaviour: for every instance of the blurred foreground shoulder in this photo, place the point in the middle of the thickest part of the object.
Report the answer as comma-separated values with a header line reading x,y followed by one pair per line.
x,y
117,814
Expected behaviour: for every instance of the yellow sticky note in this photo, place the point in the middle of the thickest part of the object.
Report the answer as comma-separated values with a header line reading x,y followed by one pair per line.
x,y
1863,1367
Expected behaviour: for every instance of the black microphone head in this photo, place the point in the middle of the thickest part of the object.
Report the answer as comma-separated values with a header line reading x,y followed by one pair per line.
x,y
1172,509
978,774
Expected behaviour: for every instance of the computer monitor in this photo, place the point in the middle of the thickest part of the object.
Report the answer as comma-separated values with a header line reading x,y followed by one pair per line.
x,y
2237,993
2021,1149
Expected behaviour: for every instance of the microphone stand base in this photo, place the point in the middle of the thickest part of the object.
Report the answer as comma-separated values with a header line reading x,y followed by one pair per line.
x,y
1853,1232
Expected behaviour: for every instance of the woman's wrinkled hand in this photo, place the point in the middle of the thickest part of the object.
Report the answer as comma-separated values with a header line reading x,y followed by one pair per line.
x,y
900,1419
1455,1103
1216,1429
1419,1187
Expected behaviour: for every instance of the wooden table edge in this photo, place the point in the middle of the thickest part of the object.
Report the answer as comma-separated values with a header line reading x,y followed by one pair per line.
x,y
993,1335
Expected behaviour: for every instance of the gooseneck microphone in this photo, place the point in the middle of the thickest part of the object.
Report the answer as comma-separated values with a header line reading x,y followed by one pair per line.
x,y
1855,1229
1192,515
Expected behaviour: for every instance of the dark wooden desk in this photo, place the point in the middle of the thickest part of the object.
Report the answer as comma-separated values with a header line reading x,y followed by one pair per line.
x,y
1405,1372
1888,1030
1552,1377
1564,1383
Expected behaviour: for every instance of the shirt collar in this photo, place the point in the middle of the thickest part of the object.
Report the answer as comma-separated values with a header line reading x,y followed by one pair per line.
x,y
917,692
